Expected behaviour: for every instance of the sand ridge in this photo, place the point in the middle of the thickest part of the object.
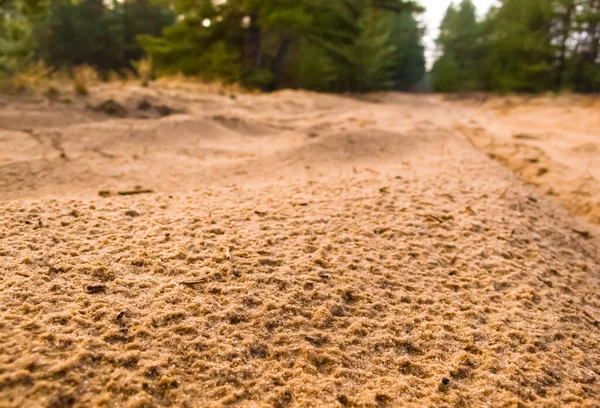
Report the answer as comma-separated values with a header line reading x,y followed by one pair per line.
x,y
349,253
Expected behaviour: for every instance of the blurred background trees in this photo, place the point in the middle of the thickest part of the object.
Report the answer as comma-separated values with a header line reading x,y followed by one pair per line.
x,y
65,33
16,38
333,46
522,46
97,33
337,45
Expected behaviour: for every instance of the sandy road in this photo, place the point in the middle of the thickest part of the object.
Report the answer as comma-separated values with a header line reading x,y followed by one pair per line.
x,y
297,250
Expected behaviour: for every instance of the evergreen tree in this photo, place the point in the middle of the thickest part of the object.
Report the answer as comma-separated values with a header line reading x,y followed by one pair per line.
x,y
93,33
445,75
584,66
336,45
530,46
521,51
460,42
16,33
256,39
366,62
409,59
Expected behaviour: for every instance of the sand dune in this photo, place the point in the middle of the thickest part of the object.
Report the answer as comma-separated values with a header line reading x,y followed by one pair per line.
x,y
295,250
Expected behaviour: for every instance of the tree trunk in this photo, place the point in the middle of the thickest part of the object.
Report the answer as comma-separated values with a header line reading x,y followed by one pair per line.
x,y
254,43
278,67
566,31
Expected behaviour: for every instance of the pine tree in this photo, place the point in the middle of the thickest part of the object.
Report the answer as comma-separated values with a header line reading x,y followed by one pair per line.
x,y
93,33
368,60
260,37
459,41
409,59
584,71
521,51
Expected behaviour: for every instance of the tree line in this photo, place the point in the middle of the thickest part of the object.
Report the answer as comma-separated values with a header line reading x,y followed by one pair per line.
x,y
330,46
335,46
520,46
66,33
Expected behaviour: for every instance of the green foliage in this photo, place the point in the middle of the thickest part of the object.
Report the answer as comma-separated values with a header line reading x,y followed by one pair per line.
x,y
338,45
409,58
522,46
285,18
341,45
16,41
445,75
367,61
91,33
521,54
334,45
314,69
259,78
459,40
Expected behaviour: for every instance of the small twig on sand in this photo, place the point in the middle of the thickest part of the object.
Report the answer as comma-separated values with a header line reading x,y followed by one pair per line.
x,y
511,185
372,171
95,288
191,284
134,192
449,197
433,217
583,234
506,191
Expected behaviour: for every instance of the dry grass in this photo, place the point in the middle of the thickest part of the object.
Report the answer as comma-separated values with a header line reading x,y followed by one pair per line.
x,y
182,82
144,71
33,77
40,79
83,77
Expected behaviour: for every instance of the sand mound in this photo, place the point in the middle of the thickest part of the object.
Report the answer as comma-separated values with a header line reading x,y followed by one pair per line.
x,y
357,267
19,115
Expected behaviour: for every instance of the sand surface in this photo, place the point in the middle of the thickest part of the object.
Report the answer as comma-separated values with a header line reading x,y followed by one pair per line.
x,y
296,250
551,142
